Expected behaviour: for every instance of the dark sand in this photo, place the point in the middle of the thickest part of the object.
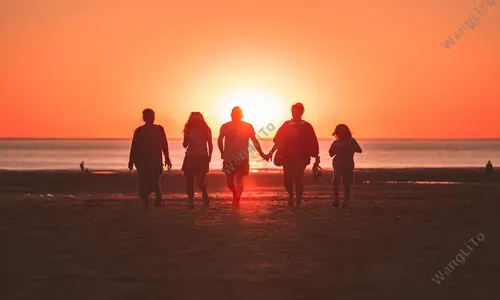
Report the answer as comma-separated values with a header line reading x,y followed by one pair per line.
x,y
66,235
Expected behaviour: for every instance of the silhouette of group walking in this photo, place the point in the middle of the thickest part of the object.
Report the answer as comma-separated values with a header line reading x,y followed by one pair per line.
x,y
295,143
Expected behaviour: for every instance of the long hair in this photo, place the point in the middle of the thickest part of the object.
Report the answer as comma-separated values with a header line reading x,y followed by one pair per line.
x,y
342,132
190,124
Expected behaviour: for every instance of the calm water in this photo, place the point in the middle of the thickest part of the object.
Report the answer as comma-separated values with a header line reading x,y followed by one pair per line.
x,y
52,154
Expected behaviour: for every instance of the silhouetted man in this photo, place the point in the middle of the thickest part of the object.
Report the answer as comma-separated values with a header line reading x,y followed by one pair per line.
x,y
148,144
82,166
233,145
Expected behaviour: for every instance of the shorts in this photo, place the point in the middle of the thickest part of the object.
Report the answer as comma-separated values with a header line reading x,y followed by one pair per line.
x,y
195,164
236,167
346,175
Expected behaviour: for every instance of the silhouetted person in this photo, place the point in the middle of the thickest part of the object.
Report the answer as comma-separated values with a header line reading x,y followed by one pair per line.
x,y
342,150
296,143
82,166
197,137
233,145
146,154
489,168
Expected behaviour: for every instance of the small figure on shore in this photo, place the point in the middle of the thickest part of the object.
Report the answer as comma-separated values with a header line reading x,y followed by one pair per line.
x,y
489,168
197,138
82,166
342,150
148,144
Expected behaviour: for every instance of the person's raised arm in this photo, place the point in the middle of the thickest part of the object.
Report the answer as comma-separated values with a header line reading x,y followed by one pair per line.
x,y
133,152
210,145
220,141
164,148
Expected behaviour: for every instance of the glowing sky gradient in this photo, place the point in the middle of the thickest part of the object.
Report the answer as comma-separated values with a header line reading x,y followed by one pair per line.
x,y
88,68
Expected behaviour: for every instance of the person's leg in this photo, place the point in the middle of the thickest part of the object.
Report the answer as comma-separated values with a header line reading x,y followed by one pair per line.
x,y
298,177
190,188
143,188
201,178
157,191
228,169
347,194
288,181
230,182
240,186
337,174
347,178
143,193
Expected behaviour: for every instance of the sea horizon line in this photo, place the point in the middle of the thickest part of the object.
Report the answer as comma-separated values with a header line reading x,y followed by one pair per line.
x,y
264,138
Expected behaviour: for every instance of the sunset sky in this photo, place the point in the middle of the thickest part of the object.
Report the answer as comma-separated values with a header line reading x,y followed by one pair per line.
x,y
88,68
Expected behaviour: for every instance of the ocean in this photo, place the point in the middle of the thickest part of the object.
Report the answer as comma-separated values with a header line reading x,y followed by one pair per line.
x,y
66,154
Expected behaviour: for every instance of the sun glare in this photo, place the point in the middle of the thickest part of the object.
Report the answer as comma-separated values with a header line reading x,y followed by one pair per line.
x,y
259,106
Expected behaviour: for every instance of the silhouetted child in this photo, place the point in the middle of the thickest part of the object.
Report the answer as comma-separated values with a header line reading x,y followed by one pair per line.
x,y
342,150
489,168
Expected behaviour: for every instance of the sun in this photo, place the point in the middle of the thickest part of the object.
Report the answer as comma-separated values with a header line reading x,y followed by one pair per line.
x,y
260,107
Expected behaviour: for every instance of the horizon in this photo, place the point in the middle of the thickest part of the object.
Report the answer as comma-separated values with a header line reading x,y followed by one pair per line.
x,y
266,139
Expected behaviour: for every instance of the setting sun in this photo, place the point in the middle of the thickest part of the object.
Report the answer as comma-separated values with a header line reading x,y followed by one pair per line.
x,y
260,107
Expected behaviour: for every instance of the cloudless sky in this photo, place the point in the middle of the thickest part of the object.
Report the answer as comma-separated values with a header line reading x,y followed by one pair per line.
x,y
88,68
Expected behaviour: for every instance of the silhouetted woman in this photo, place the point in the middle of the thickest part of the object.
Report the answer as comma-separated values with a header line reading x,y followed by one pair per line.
x,y
199,147
296,143
342,150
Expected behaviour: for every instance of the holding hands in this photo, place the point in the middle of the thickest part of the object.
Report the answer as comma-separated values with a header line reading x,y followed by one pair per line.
x,y
266,157
168,164
269,156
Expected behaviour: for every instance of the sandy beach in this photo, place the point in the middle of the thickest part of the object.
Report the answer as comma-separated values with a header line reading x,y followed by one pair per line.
x,y
68,235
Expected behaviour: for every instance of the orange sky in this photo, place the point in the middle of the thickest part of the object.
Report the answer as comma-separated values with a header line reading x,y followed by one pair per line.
x,y
88,68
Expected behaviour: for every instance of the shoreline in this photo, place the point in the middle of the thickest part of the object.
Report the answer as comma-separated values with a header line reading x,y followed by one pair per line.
x,y
270,170
173,182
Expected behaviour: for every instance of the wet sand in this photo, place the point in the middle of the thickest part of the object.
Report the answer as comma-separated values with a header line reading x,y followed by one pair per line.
x,y
66,235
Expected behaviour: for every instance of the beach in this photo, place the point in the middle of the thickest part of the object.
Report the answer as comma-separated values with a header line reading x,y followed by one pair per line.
x,y
71,235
